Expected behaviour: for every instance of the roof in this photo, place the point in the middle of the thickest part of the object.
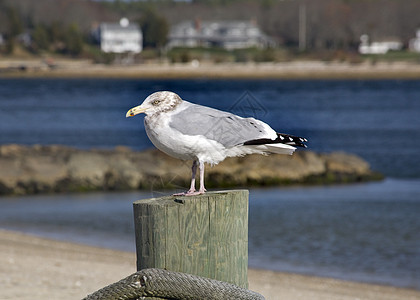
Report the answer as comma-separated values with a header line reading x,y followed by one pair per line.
x,y
117,27
228,34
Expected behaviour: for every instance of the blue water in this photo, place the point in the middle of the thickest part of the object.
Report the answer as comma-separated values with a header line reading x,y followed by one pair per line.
x,y
378,120
365,232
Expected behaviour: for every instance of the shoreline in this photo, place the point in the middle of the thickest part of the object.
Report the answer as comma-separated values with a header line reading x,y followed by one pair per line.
x,y
282,70
39,268
56,169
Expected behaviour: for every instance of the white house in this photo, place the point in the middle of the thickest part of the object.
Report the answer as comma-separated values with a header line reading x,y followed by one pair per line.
x,y
120,37
226,34
415,42
381,47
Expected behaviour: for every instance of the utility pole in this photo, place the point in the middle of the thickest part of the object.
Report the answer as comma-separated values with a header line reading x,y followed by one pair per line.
x,y
302,27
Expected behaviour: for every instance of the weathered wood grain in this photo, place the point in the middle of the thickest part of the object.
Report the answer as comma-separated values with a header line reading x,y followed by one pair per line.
x,y
205,235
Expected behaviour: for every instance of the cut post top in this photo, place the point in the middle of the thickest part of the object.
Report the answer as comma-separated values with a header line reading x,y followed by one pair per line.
x,y
204,235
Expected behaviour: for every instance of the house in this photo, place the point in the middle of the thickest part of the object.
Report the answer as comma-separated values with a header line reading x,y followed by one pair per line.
x,y
381,47
225,34
120,37
414,44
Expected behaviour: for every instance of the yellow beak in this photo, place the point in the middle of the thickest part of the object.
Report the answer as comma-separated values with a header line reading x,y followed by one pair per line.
x,y
135,111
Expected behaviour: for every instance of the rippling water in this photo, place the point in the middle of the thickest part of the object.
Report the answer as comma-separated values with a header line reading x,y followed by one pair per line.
x,y
366,232
378,120
363,232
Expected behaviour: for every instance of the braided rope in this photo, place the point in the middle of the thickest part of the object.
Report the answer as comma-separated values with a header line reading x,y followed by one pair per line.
x,y
171,285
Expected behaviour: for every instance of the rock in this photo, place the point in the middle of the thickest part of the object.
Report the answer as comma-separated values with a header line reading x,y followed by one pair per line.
x,y
340,162
46,169
89,168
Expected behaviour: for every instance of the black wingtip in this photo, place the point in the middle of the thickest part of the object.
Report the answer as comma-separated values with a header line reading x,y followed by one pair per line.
x,y
292,140
282,138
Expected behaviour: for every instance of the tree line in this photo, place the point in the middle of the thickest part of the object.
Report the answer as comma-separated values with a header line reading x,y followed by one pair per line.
x,y
45,26
63,26
56,36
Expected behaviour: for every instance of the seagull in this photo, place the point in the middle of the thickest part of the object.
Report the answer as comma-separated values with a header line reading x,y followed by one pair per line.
x,y
189,131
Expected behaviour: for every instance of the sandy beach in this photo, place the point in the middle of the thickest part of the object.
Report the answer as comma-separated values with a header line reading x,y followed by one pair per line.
x,y
67,68
38,268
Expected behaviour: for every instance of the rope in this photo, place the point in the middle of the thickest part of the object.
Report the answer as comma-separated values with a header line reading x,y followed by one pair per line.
x,y
165,284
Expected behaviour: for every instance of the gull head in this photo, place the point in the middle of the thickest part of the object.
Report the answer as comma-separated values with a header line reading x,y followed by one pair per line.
x,y
156,103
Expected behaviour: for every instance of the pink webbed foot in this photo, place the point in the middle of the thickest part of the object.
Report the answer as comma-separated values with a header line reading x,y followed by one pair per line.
x,y
199,192
191,193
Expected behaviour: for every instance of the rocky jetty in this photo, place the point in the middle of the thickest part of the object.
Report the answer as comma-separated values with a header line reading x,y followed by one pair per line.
x,y
53,169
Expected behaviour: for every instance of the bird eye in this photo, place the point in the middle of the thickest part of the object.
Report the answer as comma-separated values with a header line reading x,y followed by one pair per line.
x,y
156,102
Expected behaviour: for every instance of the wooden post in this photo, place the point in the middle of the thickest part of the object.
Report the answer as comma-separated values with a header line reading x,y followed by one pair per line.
x,y
205,235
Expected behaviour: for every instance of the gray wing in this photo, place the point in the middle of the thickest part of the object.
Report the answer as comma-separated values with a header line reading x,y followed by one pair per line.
x,y
226,128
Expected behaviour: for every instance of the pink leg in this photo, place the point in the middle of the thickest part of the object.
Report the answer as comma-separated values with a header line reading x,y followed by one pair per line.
x,y
193,172
202,189
192,186
191,191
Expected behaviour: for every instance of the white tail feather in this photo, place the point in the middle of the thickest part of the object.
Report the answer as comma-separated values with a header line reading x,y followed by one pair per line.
x,y
275,148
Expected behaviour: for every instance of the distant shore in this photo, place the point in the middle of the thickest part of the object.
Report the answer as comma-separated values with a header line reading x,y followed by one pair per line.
x,y
38,268
55,168
15,68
